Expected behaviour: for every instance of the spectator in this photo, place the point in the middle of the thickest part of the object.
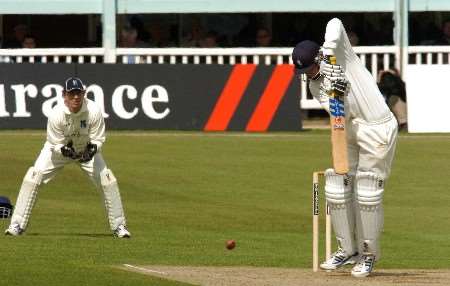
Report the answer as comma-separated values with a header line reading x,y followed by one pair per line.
x,y
432,35
263,38
445,37
393,89
353,38
29,42
19,34
210,40
195,36
159,36
137,22
129,39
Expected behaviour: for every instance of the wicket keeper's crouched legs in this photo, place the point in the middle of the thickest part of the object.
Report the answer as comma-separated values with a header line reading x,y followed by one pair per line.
x,y
104,179
46,167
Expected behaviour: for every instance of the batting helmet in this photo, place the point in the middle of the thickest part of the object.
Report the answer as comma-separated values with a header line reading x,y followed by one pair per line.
x,y
5,207
305,55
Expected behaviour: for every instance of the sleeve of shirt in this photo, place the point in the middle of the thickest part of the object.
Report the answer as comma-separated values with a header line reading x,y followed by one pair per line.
x,y
55,134
97,130
333,36
314,87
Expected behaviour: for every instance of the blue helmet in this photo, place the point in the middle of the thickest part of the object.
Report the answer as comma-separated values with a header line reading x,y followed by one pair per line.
x,y
5,207
304,55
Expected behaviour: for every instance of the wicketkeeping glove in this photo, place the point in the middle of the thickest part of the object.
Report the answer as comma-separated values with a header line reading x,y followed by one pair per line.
x,y
89,151
68,151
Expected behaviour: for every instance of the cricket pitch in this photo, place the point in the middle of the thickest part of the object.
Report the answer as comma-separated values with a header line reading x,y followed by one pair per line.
x,y
256,276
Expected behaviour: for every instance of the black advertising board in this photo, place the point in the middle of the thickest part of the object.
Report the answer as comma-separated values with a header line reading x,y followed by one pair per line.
x,y
158,97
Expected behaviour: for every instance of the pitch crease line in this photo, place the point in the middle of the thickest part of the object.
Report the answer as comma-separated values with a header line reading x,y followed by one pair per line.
x,y
144,269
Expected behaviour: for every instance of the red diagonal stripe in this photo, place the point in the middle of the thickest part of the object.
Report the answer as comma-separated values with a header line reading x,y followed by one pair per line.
x,y
229,99
271,98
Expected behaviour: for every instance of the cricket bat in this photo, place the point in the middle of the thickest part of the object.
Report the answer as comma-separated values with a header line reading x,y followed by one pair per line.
x,y
338,132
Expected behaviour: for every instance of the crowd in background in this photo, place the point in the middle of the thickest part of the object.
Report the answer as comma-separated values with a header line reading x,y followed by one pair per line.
x,y
196,32
221,30
21,38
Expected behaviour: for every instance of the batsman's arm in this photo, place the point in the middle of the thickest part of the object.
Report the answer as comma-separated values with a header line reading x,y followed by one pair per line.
x,y
320,95
333,35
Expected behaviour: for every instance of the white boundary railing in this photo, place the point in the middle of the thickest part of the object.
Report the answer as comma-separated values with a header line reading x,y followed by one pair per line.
x,y
375,58
60,55
220,56
429,55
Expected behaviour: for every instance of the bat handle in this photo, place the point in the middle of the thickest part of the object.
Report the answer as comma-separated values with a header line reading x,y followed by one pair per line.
x,y
332,60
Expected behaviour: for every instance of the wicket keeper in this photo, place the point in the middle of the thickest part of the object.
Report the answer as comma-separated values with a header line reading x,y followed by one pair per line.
x,y
355,198
75,134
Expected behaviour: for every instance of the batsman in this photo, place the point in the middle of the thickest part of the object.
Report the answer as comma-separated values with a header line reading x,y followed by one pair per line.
x,y
75,135
364,135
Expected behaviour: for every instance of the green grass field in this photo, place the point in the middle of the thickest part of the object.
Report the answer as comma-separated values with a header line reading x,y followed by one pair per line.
x,y
185,194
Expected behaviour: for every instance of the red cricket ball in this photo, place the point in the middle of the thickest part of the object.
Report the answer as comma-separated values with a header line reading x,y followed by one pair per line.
x,y
230,244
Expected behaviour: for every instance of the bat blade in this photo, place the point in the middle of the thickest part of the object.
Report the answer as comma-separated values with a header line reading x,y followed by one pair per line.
x,y
338,132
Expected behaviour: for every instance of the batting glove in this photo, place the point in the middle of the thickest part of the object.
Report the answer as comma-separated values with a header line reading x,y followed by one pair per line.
x,y
333,72
330,87
340,86
334,79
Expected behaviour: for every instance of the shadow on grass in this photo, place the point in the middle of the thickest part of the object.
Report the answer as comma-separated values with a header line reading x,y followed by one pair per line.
x,y
68,234
397,274
385,274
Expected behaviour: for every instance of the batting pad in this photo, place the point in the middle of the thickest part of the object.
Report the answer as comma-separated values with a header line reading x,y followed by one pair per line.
x,y
27,197
338,192
369,211
113,202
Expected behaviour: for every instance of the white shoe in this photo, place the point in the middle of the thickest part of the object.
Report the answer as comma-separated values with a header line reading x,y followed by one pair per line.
x,y
14,229
338,259
364,266
122,232
353,260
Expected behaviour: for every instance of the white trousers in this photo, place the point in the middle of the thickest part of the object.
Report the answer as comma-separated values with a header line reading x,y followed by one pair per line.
x,y
49,163
371,147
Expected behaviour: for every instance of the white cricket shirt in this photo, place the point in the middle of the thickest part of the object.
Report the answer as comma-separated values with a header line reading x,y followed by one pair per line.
x,y
87,125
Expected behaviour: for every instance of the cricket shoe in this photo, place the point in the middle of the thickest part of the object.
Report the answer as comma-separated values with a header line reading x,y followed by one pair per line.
x,y
364,266
14,230
338,259
122,232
